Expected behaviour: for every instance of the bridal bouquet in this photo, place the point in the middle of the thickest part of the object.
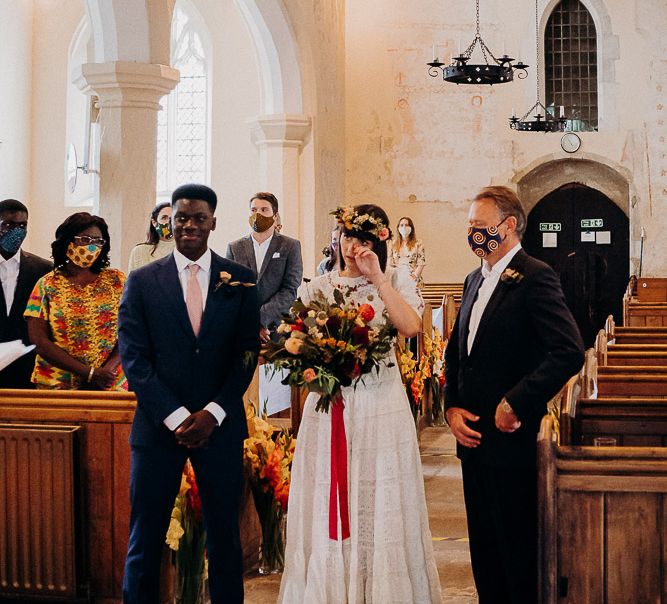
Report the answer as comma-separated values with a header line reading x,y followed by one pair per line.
x,y
267,457
326,346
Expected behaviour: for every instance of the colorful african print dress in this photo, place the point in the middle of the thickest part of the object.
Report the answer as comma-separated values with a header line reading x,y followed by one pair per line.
x,y
83,321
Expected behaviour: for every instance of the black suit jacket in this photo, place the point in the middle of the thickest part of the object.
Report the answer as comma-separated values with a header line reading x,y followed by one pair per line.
x,y
14,326
279,277
167,366
526,347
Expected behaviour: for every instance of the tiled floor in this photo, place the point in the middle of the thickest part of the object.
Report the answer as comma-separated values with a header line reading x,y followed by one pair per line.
x,y
444,497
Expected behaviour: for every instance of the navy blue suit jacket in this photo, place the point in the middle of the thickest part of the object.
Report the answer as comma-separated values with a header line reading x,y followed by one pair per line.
x,y
168,367
526,347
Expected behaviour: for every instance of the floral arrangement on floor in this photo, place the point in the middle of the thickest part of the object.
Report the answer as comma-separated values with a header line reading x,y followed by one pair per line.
x,y
411,374
434,351
187,538
267,457
325,346
426,374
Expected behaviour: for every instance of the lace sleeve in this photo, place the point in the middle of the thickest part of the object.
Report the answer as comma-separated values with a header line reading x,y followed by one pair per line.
x,y
404,283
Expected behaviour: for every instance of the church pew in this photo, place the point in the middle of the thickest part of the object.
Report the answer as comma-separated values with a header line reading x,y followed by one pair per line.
x,y
102,462
626,383
601,522
631,421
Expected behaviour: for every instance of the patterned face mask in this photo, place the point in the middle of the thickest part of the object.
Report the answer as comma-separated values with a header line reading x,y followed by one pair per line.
x,y
11,241
83,256
484,241
164,230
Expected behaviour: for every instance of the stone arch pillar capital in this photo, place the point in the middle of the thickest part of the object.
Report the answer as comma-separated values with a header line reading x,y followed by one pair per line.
x,y
127,83
281,130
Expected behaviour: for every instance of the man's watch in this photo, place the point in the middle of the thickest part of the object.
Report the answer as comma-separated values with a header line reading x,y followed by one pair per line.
x,y
505,406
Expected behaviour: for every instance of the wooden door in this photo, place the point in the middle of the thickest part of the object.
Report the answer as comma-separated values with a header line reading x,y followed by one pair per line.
x,y
584,236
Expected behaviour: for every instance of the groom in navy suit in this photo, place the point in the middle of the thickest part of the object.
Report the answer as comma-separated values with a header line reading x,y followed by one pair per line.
x,y
188,338
513,346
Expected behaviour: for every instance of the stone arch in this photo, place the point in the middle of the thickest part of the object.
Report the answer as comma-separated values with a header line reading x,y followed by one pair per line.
x,y
548,173
131,31
278,56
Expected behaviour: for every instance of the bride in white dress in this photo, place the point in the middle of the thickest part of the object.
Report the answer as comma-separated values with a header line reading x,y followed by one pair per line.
x,y
388,557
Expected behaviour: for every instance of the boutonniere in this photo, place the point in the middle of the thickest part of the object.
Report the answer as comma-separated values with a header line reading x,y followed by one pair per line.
x,y
509,275
225,280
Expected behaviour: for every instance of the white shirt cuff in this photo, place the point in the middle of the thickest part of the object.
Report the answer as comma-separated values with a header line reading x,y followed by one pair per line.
x,y
216,411
176,418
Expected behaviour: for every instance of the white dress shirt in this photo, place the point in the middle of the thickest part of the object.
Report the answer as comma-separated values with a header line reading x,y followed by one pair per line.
x,y
491,278
175,419
9,275
260,251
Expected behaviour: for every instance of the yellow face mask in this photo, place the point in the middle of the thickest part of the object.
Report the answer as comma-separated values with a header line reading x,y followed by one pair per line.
x,y
83,256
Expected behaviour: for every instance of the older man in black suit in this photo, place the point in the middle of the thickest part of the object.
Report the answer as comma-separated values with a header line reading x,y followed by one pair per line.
x,y
513,346
275,259
19,271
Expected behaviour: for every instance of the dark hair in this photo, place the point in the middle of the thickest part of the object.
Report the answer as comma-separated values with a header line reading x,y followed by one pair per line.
x,y
508,204
264,196
72,226
379,247
412,237
152,236
12,205
195,191
332,253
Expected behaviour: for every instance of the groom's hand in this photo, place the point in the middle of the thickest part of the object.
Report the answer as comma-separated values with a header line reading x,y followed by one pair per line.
x,y
196,429
457,419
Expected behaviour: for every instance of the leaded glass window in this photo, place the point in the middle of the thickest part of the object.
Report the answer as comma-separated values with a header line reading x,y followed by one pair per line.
x,y
182,132
571,65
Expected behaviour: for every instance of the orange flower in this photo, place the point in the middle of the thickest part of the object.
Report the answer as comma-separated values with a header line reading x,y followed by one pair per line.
x,y
309,375
367,312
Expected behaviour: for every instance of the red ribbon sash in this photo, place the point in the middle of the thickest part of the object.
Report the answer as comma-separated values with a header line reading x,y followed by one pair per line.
x,y
338,489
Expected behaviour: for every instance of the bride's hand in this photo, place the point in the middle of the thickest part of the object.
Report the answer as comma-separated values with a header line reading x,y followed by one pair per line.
x,y
368,263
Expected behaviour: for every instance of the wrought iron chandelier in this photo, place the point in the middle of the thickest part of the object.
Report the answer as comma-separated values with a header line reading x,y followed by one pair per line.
x,y
544,121
492,71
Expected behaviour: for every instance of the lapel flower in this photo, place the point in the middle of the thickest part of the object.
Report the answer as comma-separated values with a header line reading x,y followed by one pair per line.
x,y
225,280
509,275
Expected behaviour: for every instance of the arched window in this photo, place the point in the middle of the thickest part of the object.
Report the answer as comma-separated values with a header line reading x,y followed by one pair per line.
x,y
571,64
182,132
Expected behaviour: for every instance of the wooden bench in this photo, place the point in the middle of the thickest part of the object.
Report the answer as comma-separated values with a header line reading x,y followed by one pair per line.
x,y
102,421
601,522
444,296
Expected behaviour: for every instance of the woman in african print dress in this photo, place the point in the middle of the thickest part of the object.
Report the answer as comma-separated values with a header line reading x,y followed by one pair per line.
x,y
72,312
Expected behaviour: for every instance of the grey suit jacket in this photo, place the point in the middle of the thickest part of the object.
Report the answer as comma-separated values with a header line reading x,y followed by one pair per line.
x,y
279,277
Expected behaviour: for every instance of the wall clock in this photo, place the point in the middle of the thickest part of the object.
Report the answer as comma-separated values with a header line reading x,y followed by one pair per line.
x,y
570,142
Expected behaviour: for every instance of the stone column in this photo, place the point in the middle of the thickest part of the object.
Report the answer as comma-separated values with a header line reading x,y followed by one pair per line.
x,y
280,139
129,95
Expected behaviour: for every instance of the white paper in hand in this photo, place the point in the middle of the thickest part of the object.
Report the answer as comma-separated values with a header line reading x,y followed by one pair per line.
x,y
10,351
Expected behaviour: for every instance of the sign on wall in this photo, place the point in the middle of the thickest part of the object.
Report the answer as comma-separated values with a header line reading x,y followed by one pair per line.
x,y
591,223
550,227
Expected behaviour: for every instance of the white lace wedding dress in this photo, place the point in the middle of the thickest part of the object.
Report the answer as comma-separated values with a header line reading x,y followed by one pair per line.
x,y
388,558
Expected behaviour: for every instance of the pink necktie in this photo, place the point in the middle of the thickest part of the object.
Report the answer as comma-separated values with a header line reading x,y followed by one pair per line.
x,y
193,299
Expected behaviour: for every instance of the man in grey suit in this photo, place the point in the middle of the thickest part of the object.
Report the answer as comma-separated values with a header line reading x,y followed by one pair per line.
x,y
275,259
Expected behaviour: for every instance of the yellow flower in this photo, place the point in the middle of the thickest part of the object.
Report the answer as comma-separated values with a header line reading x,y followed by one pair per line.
x,y
174,533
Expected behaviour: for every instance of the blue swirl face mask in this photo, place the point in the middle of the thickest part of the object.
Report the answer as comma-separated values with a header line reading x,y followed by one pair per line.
x,y
11,241
484,240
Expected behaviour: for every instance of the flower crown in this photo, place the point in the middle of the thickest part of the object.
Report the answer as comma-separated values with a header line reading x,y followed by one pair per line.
x,y
347,216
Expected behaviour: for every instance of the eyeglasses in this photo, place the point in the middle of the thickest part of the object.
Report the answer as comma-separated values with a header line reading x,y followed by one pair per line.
x,y
86,240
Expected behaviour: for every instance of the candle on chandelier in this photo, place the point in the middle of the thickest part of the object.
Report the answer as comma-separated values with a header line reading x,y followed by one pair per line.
x,y
562,111
434,53
513,112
